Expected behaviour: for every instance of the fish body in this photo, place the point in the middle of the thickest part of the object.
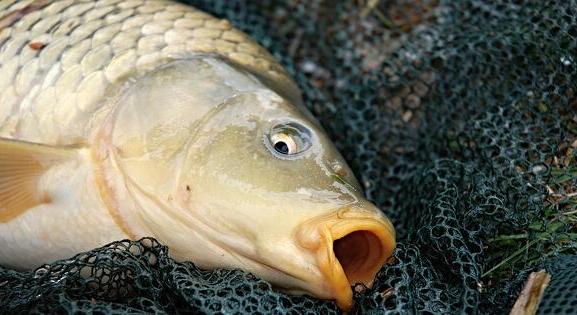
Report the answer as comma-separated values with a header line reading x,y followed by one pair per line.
x,y
125,119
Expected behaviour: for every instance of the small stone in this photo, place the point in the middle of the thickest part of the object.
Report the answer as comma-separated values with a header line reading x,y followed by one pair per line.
x,y
538,169
407,116
421,89
308,66
413,101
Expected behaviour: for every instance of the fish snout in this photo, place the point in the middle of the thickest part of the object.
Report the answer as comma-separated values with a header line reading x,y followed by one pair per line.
x,y
350,246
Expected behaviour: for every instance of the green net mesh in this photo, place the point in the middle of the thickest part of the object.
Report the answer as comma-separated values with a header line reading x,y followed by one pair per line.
x,y
561,296
458,117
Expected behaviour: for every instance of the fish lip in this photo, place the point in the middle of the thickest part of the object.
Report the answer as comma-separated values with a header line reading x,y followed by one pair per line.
x,y
319,235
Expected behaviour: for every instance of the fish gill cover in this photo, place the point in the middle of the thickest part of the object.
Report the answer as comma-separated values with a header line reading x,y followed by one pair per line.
x,y
460,119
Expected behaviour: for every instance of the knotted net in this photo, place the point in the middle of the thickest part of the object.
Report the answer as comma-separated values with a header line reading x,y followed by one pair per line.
x,y
458,117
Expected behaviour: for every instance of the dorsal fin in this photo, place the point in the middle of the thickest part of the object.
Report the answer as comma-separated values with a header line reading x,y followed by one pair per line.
x,y
21,166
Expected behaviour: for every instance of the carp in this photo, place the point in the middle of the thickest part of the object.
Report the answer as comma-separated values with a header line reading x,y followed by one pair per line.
x,y
127,119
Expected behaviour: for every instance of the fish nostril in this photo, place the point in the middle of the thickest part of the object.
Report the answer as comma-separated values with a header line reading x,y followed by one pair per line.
x,y
339,169
361,255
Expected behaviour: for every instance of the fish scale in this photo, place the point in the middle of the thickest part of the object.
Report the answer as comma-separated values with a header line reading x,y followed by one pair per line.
x,y
127,119
50,94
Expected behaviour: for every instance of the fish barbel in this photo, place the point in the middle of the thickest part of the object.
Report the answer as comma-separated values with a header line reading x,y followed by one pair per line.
x,y
125,119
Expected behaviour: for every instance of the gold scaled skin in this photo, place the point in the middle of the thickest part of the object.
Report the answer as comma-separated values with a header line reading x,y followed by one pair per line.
x,y
125,119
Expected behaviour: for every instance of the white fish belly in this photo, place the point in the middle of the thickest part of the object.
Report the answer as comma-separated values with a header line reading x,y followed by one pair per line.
x,y
75,220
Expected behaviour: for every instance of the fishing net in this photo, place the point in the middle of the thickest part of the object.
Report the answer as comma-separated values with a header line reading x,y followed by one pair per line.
x,y
561,297
458,117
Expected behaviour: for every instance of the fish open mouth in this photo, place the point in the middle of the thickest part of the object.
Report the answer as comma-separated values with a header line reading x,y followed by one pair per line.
x,y
349,250
360,254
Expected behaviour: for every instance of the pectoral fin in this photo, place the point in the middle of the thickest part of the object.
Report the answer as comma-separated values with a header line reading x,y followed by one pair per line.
x,y
21,166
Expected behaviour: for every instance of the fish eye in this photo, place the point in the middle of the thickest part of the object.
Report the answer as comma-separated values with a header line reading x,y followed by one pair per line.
x,y
289,139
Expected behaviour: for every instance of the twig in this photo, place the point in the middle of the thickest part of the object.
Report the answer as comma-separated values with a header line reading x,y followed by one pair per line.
x,y
530,297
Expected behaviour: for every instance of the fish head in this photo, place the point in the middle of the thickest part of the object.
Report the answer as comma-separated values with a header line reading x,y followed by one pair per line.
x,y
247,178
268,173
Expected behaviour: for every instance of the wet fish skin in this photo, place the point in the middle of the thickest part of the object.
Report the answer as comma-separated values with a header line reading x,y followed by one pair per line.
x,y
60,59
123,119
50,95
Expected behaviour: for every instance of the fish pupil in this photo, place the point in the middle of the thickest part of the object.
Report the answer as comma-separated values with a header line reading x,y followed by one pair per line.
x,y
281,147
